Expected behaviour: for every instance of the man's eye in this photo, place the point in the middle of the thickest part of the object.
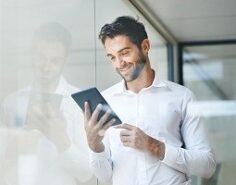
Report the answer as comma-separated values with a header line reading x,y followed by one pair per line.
x,y
125,53
57,60
112,58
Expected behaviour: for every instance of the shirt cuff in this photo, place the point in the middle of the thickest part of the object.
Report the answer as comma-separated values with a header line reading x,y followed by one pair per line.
x,y
171,154
99,156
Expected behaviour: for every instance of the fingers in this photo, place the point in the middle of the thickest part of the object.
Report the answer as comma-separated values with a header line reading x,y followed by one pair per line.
x,y
35,114
108,124
33,122
125,132
126,136
93,118
125,139
102,128
96,112
92,124
125,126
130,136
104,118
87,111
51,111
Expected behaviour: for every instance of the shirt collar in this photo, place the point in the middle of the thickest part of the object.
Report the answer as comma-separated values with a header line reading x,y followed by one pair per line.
x,y
62,87
157,82
122,89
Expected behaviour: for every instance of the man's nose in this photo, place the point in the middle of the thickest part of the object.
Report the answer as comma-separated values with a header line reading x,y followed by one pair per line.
x,y
120,63
47,65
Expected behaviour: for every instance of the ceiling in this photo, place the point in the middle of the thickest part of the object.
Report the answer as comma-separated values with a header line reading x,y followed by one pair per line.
x,y
195,20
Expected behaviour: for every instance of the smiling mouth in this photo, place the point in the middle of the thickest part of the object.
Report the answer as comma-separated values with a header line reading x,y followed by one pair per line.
x,y
124,70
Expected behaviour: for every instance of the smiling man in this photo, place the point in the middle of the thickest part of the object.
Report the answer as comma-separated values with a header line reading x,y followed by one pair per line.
x,y
161,141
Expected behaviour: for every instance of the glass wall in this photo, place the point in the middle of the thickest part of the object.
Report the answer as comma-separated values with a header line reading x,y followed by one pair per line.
x,y
209,71
49,50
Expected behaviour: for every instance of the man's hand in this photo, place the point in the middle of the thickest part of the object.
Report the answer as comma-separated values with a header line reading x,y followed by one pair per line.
x,y
95,129
134,137
51,123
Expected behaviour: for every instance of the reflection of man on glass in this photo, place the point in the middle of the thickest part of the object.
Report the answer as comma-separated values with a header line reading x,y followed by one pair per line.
x,y
45,114
161,141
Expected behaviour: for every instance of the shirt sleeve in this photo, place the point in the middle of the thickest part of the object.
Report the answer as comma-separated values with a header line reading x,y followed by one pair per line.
x,y
76,163
73,162
101,164
75,159
197,157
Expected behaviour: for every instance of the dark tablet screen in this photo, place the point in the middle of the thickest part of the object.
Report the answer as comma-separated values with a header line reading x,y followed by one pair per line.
x,y
94,97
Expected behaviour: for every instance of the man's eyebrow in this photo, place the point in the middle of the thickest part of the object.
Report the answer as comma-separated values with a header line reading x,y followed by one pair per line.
x,y
123,49
108,54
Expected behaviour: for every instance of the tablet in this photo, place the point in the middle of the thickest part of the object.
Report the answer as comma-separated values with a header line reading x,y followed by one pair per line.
x,y
94,97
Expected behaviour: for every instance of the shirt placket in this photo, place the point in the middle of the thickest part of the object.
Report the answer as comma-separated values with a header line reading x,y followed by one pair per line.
x,y
141,162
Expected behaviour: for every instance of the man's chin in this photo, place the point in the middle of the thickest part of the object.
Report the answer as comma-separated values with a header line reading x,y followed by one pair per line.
x,y
127,78
46,79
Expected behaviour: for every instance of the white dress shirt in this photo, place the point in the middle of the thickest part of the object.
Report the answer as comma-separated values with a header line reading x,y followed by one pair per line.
x,y
41,163
163,112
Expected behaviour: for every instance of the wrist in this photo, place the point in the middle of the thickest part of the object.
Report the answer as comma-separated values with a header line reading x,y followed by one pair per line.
x,y
62,144
97,147
156,148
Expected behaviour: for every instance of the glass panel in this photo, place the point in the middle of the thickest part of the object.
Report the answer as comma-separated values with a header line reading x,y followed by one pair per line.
x,y
209,71
42,139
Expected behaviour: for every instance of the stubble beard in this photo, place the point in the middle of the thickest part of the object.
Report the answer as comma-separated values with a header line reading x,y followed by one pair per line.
x,y
136,71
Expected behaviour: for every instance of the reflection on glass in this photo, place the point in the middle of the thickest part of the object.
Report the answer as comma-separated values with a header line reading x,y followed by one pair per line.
x,y
42,136
42,126
210,72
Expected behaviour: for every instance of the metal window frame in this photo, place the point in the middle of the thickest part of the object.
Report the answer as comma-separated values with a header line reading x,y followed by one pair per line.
x,y
182,45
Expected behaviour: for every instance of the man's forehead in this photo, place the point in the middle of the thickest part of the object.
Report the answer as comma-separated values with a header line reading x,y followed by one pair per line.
x,y
50,47
118,44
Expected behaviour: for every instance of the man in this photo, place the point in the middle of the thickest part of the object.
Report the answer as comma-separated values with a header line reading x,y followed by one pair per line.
x,y
161,140
43,121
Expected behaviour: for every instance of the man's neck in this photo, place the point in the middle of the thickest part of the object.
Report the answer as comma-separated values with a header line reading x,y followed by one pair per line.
x,y
143,81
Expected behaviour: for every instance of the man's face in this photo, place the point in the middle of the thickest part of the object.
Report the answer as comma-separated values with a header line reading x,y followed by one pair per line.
x,y
49,60
126,57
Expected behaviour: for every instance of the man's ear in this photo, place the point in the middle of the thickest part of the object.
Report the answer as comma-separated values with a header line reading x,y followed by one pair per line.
x,y
145,46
